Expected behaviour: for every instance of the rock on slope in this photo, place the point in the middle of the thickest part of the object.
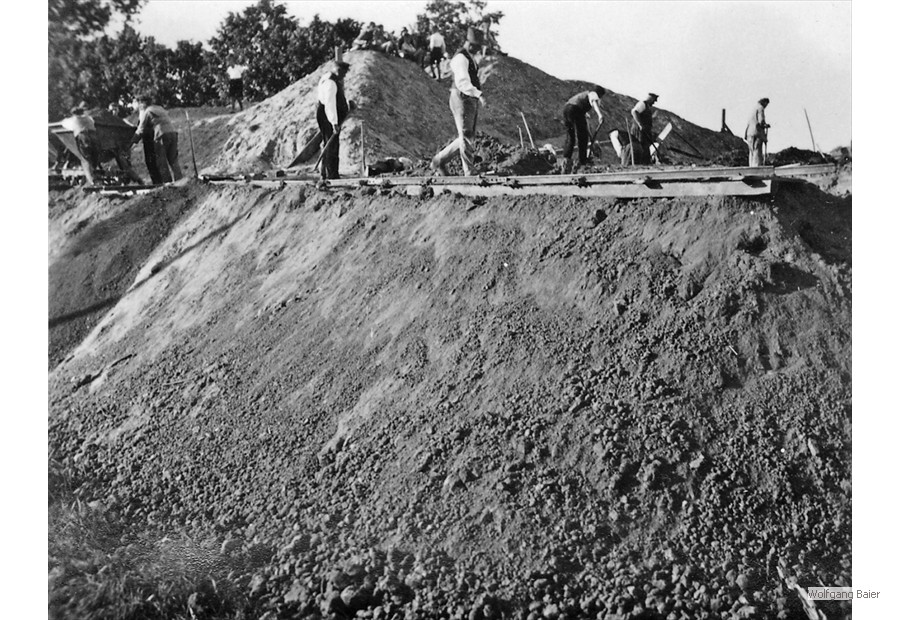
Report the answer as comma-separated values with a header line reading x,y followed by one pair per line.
x,y
406,113
538,404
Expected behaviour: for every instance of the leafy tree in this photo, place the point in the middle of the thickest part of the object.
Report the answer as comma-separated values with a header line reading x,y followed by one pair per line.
x,y
262,37
71,23
82,18
192,70
315,43
454,17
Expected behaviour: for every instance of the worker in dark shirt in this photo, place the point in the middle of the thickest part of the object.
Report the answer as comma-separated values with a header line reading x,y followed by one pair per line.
x,y
642,113
575,117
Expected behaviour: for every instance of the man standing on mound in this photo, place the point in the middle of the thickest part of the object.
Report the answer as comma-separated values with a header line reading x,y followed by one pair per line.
x,y
755,134
465,97
330,114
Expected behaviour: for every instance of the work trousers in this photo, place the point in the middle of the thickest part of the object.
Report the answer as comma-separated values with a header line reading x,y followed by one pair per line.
x,y
756,150
332,154
150,157
465,114
89,153
123,161
576,128
642,154
166,150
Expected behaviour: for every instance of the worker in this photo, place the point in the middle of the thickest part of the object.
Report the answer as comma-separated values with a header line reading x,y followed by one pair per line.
x,y
490,41
756,134
575,116
235,73
406,45
642,113
331,111
86,140
165,138
465,96
365,38
437,51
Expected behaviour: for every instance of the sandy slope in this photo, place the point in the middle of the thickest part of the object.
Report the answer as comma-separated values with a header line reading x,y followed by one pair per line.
x,y
579,405
406,113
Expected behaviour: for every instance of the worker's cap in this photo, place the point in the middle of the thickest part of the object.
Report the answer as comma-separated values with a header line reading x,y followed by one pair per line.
x,y
599,90
764,100
652,96
77,110
475,36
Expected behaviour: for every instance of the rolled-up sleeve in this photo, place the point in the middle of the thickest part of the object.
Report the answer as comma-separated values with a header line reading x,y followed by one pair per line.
x,y
328,98
460,67
142,124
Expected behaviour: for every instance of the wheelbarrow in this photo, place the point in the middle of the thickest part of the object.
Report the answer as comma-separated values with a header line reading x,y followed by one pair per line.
x,y
114,135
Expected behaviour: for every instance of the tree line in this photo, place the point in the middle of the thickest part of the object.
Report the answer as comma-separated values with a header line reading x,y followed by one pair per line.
x,y
86,64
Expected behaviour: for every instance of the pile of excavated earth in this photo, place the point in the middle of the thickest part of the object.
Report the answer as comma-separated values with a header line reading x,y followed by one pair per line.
x,y
317,403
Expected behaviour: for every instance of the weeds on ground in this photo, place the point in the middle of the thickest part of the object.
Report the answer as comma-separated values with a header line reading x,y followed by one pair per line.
x,y
103,567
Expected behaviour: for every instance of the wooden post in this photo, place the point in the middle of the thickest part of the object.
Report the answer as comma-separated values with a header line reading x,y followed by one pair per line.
x,y
630,142
530,139
363,170
808,124
187,118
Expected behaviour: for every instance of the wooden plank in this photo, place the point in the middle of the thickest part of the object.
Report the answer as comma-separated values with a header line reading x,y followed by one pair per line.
x,y
683,174
631,176
655,190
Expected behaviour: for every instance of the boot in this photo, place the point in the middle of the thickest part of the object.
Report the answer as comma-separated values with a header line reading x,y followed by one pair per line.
x,y
567,165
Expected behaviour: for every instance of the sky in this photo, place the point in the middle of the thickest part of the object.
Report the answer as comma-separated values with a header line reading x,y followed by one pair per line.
x,y
699,57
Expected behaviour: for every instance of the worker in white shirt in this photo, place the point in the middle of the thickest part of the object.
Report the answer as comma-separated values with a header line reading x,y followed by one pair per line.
x,y
437,50
236,84
330,114
86,141
465,97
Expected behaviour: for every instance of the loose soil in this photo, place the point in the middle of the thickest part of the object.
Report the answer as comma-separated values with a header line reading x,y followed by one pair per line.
x,y
291,403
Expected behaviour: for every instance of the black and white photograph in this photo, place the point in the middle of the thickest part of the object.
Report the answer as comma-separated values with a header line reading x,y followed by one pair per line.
x,y
457,309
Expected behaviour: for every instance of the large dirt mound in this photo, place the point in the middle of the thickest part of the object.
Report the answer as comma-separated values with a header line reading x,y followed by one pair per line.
x,y
450,407
405,113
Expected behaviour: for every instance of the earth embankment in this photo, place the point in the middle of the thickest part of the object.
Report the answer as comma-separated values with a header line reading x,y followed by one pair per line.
x,y
566,405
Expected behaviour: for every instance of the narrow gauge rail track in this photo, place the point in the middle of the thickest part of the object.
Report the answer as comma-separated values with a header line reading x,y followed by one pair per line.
x,y
647,183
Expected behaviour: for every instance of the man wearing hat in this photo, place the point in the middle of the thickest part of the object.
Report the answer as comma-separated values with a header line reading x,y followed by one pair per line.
x,y
331,111
575,116
755,134
642,113
465,96
165,138
88,144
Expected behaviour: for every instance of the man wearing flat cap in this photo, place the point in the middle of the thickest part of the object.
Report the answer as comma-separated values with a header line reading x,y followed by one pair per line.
x,y
642,113
86,140
756,135
331,112
465,97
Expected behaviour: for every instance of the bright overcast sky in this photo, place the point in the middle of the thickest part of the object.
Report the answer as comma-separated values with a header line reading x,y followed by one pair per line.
x,y
700,57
